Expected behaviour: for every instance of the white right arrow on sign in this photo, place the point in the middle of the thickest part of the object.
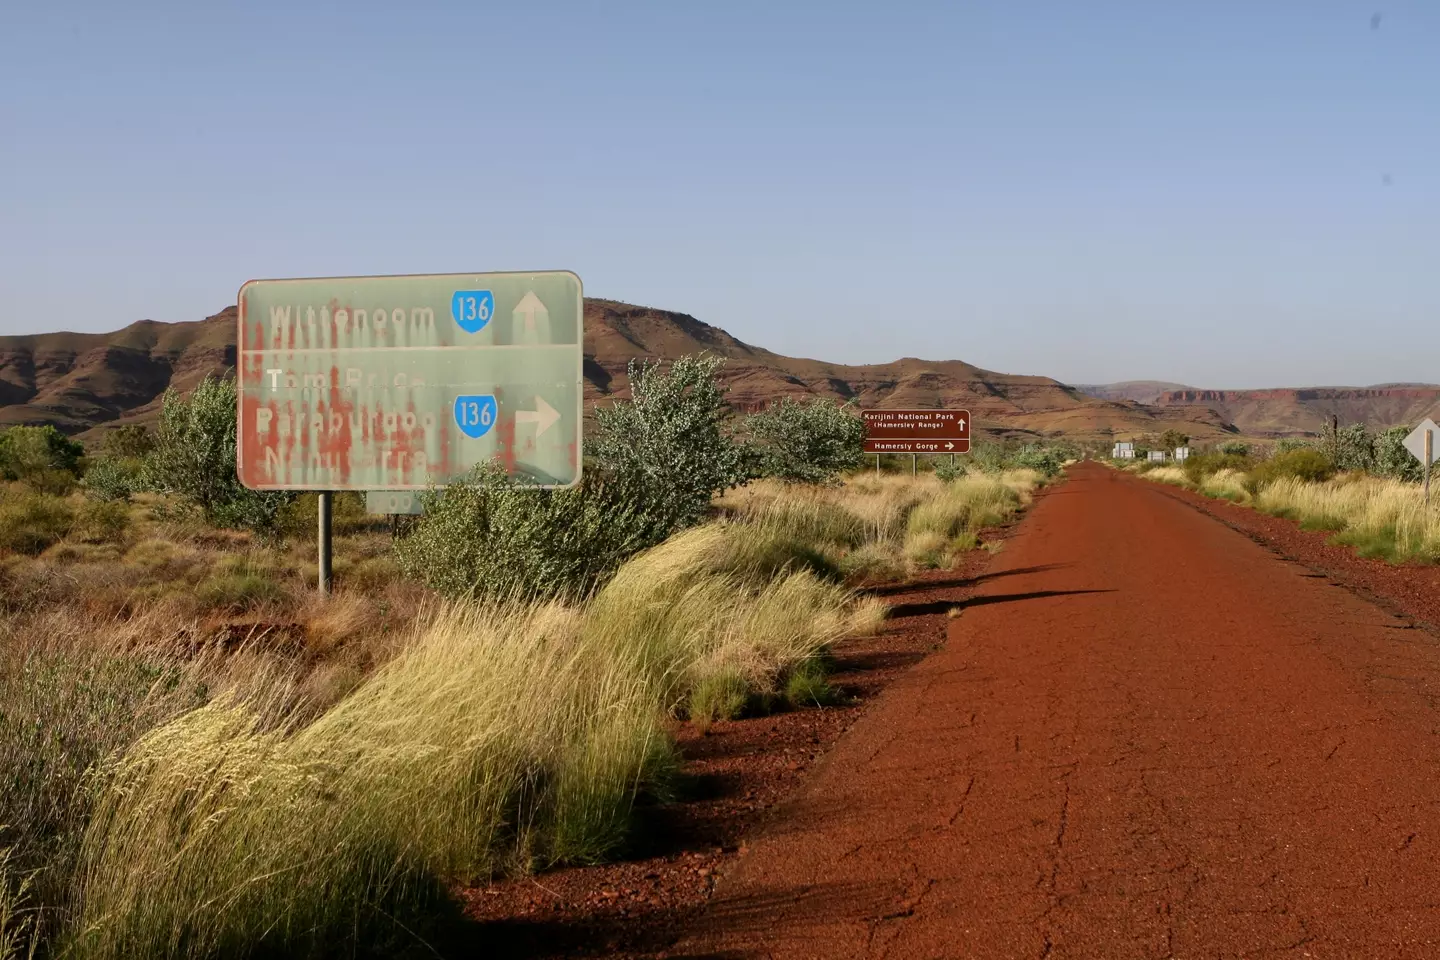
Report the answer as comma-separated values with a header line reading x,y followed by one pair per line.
x,y
543,416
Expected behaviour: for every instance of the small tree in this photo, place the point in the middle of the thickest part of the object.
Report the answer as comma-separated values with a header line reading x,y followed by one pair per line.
x,y
1354,448
28,451
1171,439
489,535
1393,460
806,442
666,449
194,458
129,442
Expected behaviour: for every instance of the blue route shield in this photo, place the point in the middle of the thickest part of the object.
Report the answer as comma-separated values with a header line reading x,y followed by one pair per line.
x,y
475,414
472,309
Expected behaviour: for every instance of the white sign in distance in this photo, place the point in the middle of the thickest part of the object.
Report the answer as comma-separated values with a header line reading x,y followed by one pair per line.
x,y
1415,443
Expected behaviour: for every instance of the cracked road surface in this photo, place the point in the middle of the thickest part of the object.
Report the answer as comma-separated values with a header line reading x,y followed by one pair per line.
x,y
1148,736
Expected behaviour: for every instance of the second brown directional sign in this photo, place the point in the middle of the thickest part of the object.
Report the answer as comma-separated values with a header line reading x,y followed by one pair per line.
x,y
917,431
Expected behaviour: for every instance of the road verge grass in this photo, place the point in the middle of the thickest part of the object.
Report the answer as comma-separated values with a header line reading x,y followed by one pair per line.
x,y
326,795
1378,516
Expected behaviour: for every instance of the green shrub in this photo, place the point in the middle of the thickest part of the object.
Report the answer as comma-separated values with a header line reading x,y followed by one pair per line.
x,y
112,478
1352,448
492,536
101,521
665,451
658,461
61,713
1200,466
948,470
1393,460
30,522
194,458
301,516
371,574
129,442
718,696
239,591
54,482
1237,448
811,442
26,451
808,685
1307,464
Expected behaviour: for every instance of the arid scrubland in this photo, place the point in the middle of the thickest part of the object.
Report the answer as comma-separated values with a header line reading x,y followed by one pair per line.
x,y
204,758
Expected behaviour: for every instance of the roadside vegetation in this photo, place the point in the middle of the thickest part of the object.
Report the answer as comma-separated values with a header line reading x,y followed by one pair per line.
x,y
200,757
1364,486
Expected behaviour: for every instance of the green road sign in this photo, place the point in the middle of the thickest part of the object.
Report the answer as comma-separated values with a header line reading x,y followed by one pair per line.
x,y
398,383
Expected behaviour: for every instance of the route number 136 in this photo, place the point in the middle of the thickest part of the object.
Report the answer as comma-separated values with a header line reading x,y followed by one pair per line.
x,y
472,309
475,415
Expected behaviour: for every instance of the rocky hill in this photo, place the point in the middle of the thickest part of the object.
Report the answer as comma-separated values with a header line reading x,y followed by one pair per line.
x,y
1140,391
83,383
1307,411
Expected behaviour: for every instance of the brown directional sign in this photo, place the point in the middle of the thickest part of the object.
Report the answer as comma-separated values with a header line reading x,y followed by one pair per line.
x,y
917,431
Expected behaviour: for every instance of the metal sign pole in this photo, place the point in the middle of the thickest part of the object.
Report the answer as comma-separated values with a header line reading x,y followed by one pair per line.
x,y
913,467
877,464
324,540
1429,452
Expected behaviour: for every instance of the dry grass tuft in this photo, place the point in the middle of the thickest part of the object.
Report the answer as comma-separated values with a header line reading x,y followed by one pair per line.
x,y
1380,517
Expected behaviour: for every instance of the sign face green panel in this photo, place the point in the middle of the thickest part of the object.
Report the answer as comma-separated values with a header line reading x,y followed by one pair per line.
x,y
398,383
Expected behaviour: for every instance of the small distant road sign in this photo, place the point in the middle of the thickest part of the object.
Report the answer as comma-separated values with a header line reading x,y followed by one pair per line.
x,y
917,431
1182,453
1156,455
1123,451
1417,446
1422,443
397,383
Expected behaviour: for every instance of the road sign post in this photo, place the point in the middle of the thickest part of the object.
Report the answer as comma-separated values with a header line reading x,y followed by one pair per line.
x,y
400,383
323,511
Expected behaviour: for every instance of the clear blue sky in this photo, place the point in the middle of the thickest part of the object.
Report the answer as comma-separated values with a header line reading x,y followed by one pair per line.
x,y
1092,191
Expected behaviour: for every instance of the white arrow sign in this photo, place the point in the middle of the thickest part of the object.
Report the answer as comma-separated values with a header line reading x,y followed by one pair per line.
x,y
949,446
530,320
961,423
543,416
1415,443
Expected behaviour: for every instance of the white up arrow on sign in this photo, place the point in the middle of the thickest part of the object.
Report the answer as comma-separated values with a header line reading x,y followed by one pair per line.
x,y
543,416
530,320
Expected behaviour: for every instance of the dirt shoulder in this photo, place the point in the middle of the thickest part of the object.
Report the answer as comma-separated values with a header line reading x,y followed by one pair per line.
x,y
1411,589
733,778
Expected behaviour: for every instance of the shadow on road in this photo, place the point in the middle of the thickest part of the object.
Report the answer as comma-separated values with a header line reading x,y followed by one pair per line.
x,y
940,606
890,589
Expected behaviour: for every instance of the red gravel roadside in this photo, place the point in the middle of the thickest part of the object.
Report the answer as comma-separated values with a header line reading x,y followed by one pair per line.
x,y
1411,589
732,779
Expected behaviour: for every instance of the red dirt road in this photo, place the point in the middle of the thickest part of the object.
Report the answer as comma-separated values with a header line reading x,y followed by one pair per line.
x,y
1147,737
